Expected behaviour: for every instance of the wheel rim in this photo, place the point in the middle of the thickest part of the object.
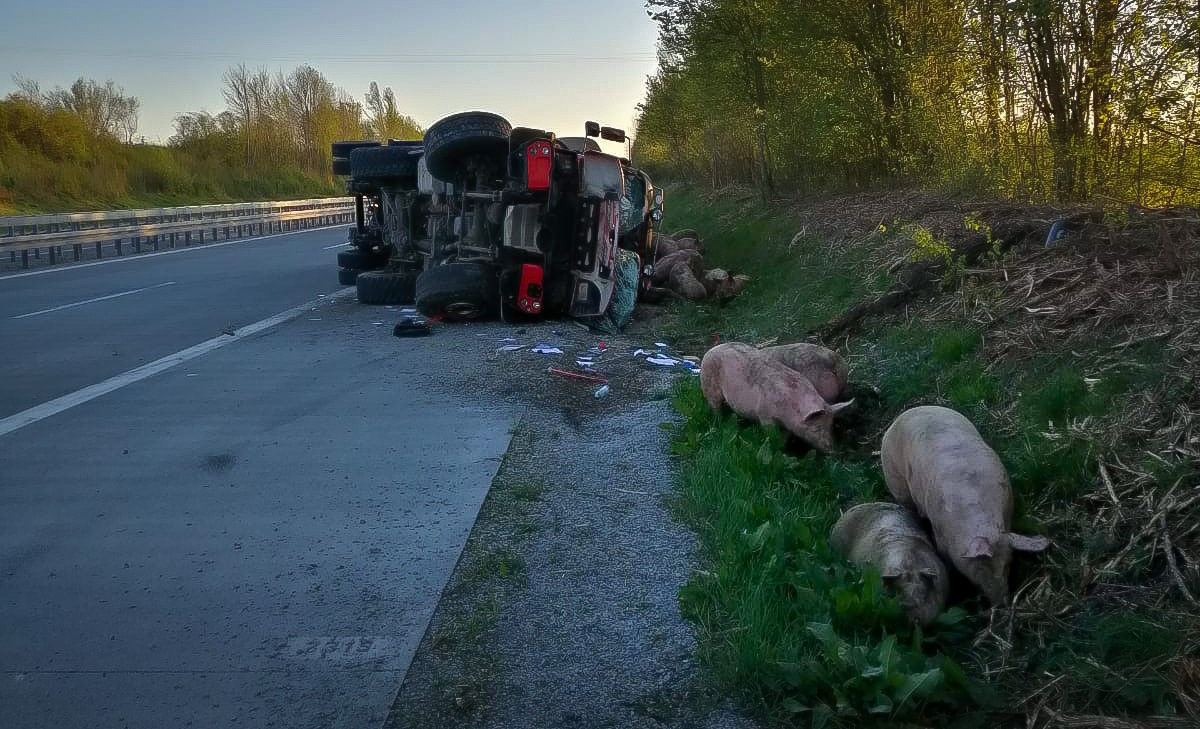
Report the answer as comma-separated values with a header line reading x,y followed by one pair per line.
x,y
463,310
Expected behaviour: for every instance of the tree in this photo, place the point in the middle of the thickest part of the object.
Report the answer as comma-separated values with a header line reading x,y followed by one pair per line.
x,y
384,118
240,96
104,109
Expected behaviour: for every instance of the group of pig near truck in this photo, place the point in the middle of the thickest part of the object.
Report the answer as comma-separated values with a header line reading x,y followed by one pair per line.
x,y
480,219
935,464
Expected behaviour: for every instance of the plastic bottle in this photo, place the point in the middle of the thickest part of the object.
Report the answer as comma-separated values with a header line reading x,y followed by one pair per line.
x,y
601,392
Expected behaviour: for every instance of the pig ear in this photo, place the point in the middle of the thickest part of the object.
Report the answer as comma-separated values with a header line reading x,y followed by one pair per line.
x,y
979,547
838,407
1027,544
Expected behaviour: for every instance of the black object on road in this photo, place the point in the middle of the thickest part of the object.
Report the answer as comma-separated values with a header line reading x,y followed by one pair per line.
x,y
412,326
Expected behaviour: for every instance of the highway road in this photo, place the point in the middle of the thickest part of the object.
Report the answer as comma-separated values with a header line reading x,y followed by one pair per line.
x,y
211,530
68,327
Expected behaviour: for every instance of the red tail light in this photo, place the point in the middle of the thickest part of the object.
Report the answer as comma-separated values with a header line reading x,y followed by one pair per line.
x,y
529,290
539,158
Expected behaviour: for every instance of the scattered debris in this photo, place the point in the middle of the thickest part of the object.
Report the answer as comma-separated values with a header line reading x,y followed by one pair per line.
x,y
601,392
545,349
412,326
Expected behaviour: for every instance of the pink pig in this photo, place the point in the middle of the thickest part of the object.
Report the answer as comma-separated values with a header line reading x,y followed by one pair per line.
x,y
935,461
760,388
823,367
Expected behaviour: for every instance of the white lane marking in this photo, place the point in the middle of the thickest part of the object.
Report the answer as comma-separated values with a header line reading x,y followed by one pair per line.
x,y
339,245
91,392
140,256
92,301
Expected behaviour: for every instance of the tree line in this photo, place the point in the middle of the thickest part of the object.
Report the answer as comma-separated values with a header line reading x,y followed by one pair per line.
x,y
1037,99
78,148
280,120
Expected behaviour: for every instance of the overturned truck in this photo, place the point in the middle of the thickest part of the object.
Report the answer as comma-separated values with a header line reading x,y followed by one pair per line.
x,y
479,220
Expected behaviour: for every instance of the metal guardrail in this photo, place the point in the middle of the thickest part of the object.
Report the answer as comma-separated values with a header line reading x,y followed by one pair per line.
x,y
22,234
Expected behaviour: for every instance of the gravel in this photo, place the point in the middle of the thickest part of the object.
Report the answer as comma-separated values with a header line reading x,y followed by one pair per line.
x,y
563,609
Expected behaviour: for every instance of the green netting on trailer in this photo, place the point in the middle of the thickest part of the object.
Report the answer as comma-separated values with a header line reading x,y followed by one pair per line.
x,y
620,310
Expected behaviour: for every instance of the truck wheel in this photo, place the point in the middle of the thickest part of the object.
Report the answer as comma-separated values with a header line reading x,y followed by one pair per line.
x,y
391,166
347,276
360,259
458,291
452,141
385,287
342,150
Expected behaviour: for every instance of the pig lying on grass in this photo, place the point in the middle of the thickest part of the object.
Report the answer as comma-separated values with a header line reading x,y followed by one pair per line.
x,y
758,387
935,461
823,367
890,537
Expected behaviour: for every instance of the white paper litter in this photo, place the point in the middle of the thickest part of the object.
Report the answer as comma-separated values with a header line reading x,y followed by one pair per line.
x,y
662,361
660,345
511,347
546,349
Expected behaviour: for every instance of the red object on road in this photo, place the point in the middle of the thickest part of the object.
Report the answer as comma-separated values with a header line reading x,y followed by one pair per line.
x,y
578,376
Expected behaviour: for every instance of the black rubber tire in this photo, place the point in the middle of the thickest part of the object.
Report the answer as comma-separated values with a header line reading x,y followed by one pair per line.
x,y
341,166
383,287
348,276
360,259
458,291
385,165
342,150
450,142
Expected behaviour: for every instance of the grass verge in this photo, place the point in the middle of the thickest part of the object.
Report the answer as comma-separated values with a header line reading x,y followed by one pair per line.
x,y
1102,624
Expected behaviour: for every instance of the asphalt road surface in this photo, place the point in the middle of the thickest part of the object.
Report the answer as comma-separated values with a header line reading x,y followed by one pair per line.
x,y
254,535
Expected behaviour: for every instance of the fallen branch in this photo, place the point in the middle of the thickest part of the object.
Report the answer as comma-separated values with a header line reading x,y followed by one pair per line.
x,y
1169,551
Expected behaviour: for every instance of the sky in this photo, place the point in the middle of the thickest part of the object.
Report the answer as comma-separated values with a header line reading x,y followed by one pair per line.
x,y
552,65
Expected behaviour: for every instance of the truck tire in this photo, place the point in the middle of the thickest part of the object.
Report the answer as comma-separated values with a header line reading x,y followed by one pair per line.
x,y
342,150
450,142
360,259
457,291
384,287
347,276
386,166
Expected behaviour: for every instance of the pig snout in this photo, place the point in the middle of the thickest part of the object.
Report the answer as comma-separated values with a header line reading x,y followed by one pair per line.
x,y
812,418
918,594
990,574
817,431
